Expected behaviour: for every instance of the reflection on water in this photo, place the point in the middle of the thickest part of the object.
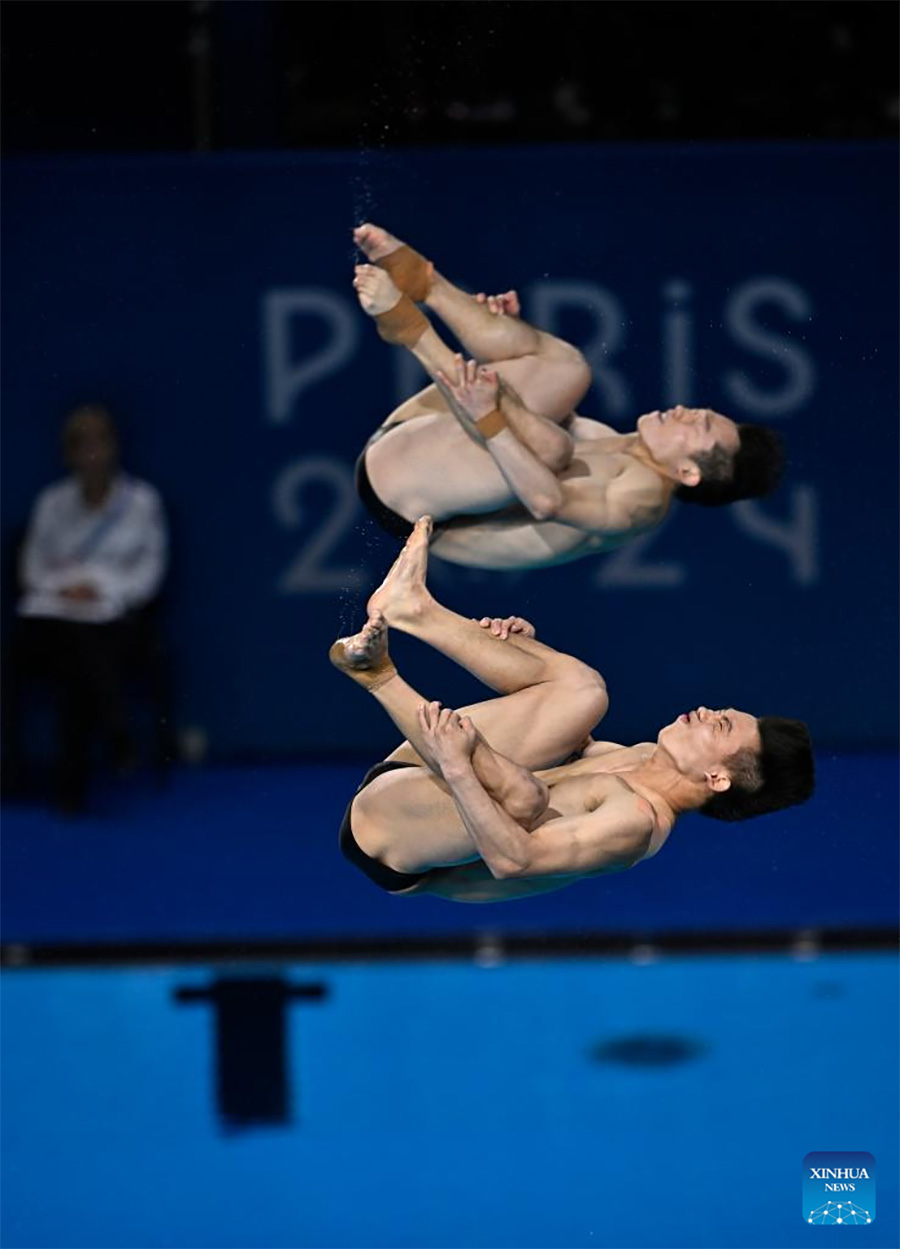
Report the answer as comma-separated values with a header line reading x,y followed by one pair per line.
x,y
407,1085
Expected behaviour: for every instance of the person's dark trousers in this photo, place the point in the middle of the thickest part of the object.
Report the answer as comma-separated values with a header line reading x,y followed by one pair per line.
x,y
84,665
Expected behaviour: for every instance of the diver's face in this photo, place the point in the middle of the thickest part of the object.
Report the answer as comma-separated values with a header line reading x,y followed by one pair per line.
x,y
700,741
678,435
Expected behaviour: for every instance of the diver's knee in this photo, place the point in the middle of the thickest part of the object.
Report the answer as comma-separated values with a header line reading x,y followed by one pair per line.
x,y
586,691
578,378
577,673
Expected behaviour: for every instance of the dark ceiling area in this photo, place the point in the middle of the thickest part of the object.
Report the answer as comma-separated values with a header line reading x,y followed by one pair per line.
x,y
141,75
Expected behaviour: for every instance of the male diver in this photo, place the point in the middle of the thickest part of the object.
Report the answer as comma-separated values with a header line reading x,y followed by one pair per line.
x,y
512,796
512,476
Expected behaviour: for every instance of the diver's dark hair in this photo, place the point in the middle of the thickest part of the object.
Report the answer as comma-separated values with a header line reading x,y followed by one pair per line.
x,y
753,471
780,774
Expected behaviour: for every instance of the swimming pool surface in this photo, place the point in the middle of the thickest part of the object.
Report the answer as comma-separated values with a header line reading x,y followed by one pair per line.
x,y
570,1102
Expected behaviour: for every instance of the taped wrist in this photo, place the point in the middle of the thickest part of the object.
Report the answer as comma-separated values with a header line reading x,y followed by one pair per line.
x,y
489,426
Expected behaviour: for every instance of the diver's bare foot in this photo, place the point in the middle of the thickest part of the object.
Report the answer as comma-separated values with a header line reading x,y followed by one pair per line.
x,y
505,305
402,598
364,656
411,272
375,290
375,242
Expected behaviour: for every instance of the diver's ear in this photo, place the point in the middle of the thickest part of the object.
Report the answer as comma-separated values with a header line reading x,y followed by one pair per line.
x,y
717,781
688,473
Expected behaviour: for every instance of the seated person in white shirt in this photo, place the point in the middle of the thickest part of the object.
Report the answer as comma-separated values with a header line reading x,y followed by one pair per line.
x,y
95,554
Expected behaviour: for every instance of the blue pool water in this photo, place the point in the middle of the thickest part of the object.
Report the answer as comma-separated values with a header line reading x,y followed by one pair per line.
x,y
560,1103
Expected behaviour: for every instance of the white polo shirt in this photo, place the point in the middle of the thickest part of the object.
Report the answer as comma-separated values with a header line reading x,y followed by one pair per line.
x,y
121,548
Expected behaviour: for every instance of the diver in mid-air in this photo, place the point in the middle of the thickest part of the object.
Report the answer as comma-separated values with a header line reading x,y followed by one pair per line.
x,y
512,796
493,450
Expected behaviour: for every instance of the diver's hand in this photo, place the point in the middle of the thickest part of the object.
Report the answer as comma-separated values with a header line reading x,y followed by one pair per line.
x,y
471,389
449,738
505,305
502,626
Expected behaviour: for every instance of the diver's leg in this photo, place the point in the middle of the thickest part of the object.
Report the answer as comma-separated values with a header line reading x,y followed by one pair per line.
x,y
551,375
552,700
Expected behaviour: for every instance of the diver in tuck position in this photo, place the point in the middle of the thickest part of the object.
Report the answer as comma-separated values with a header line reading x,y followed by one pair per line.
x,y
494,452
512,796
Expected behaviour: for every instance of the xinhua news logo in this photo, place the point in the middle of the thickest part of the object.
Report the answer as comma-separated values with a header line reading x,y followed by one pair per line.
x,y
839,1188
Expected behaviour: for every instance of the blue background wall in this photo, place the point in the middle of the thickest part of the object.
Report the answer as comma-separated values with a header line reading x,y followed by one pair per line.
x,y
250,854
208,301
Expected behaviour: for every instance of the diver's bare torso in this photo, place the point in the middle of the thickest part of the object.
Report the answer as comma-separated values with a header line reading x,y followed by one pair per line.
x,y
511,538
575,788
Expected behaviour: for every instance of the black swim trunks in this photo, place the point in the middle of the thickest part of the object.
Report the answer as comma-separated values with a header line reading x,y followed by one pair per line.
x,y
385,877
392,522
389,520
